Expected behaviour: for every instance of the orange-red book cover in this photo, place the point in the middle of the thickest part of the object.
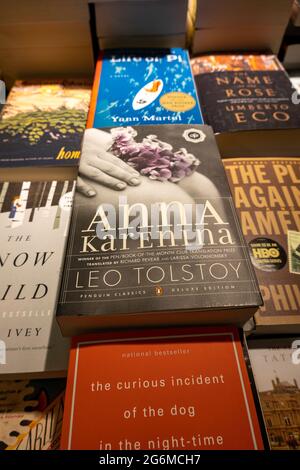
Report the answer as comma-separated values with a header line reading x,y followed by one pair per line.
x,y
163,389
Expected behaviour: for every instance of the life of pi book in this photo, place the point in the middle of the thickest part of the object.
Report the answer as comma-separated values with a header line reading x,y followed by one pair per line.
x,y
170,243
140,87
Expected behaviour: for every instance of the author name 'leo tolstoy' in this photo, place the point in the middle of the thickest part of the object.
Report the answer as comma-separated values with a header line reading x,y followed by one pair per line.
x,y
156,274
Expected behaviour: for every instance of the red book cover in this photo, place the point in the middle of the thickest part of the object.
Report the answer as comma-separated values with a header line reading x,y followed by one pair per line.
x,y
167,389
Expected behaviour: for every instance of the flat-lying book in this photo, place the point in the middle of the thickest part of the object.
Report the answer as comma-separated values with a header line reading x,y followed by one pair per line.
x,y
143,18
275,363
165,247
34,221
145,86
266,195
166,389
42,124
249,102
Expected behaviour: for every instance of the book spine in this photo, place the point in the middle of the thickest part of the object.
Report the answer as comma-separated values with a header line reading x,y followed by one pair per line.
x,y
95,92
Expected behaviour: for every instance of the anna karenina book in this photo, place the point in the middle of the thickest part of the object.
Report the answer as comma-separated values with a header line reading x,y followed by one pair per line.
x,y
166,248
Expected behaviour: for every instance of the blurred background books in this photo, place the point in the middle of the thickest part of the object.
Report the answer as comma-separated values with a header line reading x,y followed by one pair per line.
x,y
62,38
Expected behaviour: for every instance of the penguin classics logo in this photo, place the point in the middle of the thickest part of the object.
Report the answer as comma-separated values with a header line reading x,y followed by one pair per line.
x,y
2,352
2,92
296,352
159,290
194,135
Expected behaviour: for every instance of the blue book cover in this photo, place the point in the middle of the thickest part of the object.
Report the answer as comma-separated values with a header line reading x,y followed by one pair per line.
x,y
144,87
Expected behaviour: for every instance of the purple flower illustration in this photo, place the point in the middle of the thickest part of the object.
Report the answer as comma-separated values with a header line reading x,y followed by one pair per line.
x,y
152,157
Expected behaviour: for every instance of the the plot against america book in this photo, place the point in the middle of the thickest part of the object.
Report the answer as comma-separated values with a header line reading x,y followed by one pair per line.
x,y
166,242
266,195
34,221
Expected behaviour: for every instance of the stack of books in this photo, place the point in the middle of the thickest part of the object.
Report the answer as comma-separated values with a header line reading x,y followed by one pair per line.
x,y
154,242
242,96
183,229
45,39
141,23
40,133
124,271
248,100
237,25
250,106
